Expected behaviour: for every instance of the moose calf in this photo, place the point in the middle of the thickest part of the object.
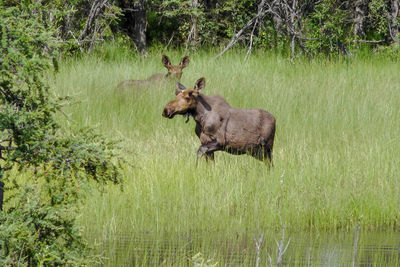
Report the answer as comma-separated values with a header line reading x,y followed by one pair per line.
x,y
174,73
222,127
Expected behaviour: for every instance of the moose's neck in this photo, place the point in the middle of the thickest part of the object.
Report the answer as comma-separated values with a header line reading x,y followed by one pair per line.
x,y
209,106
201,109
169,77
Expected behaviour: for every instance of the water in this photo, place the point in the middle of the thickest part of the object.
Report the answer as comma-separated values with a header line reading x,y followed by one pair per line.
x,y
355,248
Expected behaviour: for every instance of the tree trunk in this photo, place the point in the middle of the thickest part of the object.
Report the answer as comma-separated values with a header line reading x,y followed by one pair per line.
x,y
193,33
291,27
140,27
277,18
359,17
393,25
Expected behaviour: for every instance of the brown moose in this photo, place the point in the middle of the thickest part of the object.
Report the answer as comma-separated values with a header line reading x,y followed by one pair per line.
x,y
222,127
174,73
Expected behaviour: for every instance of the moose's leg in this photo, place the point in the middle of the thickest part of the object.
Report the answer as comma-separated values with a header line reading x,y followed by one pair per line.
x,y
210,156
268,153
268,156
264,152
208,149
267,142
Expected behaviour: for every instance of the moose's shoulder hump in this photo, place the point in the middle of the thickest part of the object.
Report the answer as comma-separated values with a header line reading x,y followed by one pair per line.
x,y
216,100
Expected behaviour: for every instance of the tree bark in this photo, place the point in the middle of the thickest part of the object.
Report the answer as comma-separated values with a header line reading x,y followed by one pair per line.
x,y
193,33
291,27
140,27
393,25
359,17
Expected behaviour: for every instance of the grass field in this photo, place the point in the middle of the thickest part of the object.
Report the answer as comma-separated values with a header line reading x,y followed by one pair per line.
x,y
336,153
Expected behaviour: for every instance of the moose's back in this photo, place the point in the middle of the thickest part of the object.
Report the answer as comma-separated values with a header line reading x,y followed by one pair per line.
x,y
247,128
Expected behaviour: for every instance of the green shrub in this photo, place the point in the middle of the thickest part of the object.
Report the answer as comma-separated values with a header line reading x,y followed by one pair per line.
x,y
43,167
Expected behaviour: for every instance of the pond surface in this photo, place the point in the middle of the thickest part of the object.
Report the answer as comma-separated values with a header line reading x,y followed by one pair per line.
x,y
356,248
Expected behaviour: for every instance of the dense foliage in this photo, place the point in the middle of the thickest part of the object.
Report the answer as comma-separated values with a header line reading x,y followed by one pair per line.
x,y
44,168
313,27
306,26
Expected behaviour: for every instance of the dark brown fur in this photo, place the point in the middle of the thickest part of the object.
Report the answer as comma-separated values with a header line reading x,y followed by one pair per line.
x,y
222,127
174,73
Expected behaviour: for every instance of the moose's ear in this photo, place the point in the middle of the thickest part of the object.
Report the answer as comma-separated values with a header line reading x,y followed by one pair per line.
x,y
200,84
180,86
177,91
185,61
165,60
194,93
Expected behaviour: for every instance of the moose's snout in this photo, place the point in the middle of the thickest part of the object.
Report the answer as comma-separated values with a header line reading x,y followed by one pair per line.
x,y
167,113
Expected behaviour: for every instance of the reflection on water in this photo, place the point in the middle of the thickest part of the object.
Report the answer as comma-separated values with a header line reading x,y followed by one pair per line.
x,y
349,249
357,248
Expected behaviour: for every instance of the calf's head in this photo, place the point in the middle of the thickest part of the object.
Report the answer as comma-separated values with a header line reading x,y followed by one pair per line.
x,y
185,100
175,72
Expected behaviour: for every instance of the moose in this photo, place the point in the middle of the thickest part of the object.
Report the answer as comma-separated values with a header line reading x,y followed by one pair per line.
x,y
174,73
221,127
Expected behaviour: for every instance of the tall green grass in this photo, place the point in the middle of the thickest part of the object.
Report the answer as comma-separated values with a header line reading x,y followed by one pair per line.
x,y
336,153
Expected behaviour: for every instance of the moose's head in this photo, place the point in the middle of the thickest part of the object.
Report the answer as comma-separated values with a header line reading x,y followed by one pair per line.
x,y
185,100
175,72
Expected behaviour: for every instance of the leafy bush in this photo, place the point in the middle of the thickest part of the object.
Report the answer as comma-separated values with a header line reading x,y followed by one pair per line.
x,y
215,24
36,233
377,19
326,27
43,167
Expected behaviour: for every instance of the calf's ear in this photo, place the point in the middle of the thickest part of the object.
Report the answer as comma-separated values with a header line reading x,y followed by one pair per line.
x,y
165,61
200,84
185,61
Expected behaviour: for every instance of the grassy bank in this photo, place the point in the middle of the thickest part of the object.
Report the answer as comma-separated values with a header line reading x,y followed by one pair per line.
x,y
336,154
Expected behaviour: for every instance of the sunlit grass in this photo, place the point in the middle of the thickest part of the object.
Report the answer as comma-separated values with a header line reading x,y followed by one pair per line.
x,y
336,154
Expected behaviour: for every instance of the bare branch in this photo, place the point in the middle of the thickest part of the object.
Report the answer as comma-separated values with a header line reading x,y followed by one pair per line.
x,y
93,14
251,41
367,41
76,40
261,12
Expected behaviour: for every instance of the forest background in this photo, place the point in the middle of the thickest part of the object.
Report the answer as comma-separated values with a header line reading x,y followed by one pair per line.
x,y
307,27
38,216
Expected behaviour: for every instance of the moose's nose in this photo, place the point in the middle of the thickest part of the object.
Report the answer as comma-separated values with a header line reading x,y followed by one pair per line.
x,y
165,113
168,112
